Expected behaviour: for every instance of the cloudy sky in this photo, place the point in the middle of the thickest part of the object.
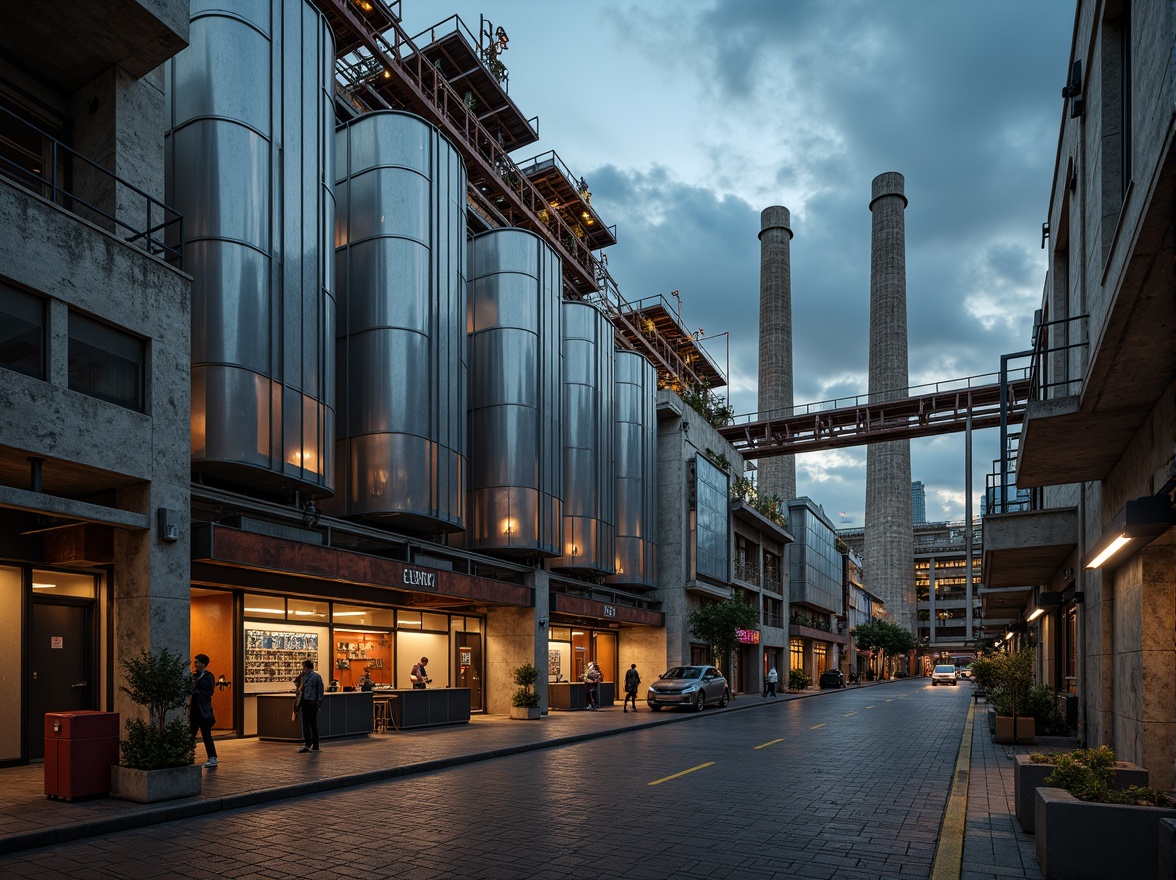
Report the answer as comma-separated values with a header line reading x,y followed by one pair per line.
x,y
689,117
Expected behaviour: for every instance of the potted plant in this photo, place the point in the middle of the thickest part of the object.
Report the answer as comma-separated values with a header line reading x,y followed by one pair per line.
x,y
158,753
1086,829
1006,677
1031,771
797,680
525,702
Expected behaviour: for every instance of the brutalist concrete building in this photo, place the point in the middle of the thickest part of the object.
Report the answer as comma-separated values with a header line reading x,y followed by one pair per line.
x,y
1088,573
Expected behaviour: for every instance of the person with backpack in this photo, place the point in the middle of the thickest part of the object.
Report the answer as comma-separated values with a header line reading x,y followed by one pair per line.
x,y
632,682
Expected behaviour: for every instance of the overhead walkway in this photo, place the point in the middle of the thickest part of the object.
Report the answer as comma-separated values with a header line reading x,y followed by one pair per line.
x,y
922,411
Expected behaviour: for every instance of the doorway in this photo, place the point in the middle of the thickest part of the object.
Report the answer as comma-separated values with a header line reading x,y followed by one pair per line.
x,y
60,666
468,662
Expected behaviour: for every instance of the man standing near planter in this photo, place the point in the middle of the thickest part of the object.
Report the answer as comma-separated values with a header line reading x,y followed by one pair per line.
x,y
200,715
310,697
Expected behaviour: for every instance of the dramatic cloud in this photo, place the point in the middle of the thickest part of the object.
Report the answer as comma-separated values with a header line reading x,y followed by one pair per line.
x,y
688,119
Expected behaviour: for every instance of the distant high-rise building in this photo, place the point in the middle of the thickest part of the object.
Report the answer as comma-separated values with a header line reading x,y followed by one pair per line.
x,y
918,502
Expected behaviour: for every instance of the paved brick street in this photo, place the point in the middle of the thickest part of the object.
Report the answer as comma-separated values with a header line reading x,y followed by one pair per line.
x,y
838,784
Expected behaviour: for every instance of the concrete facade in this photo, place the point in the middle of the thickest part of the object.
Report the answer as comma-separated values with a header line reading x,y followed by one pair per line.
x,y
777,474
107,469
888,538
1101,434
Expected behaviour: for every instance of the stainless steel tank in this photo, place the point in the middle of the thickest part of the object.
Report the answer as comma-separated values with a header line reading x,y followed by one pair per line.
x,y
515,445
636,470
400,262
249,162
589,502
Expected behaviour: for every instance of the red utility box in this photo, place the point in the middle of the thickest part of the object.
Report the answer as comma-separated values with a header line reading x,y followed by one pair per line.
x,y
80,748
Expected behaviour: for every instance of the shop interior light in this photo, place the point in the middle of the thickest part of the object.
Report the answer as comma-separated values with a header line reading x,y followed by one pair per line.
x,y
44,586
265,611
350,613
1037,612
1136,524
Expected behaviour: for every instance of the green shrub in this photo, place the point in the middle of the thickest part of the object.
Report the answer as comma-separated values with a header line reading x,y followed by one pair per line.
x,y
1088,775
525,677
159,683
797,680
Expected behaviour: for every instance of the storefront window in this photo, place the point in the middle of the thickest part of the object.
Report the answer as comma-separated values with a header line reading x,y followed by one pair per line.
x,y
10,659
306,611
62,583
265,607
796,654
360,615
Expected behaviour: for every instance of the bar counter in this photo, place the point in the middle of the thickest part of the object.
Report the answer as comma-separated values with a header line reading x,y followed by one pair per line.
x,y
343,713
430,707
573,694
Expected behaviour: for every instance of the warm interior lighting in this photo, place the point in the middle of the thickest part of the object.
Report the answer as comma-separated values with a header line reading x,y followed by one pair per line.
x,y
509,527
44,586
264,611
350,613
1037,612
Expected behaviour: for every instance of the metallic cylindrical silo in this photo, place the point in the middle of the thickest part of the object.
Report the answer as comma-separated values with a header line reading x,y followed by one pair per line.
x,y
515,445
636,470
400,270
589,500
249,162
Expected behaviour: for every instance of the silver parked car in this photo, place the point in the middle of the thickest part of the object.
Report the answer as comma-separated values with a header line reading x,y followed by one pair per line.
x,y
944,674
695,686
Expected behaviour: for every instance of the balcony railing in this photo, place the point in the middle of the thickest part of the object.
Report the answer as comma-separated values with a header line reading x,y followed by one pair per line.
x,y
771,619
747,571
1060,353
91,192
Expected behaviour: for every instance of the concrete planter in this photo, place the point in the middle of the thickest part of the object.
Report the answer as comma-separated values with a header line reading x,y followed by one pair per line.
x,y
152,786
1077,840
1023,735
1028,777
526,713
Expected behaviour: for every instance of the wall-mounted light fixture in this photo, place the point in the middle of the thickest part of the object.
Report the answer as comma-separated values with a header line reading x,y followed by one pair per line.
x,y
1139,522
1044,603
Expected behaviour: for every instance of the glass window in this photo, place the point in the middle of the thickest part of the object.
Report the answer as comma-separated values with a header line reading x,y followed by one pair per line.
x,y
306,611
105,362
265,607
361,615
22,331
711,494
62,583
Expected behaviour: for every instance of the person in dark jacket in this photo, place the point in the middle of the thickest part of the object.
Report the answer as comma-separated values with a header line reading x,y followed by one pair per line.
x,y
632,683
200,715
592,678
310,697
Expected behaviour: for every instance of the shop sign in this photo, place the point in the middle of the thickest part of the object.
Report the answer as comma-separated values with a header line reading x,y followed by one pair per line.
x,y
421,579
610,610
747,636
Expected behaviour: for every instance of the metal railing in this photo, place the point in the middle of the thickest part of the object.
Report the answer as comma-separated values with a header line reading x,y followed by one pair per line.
x,y
88,190
747,571
1059,358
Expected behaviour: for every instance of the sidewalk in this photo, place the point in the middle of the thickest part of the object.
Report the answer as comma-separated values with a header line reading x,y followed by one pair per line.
x,y
256,772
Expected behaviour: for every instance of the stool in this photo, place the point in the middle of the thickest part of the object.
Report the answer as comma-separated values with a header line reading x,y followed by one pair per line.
x,y
379,715
390,716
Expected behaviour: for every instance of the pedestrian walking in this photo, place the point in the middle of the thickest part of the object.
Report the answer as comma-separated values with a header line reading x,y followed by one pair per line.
x,y
200,715
770,683
632,682
592,677
306,703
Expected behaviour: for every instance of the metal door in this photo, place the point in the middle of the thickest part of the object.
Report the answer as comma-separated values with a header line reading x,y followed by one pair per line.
x,y
60,666
469,665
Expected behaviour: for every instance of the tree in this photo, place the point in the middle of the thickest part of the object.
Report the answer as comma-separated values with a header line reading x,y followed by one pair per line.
x,y
718,623
881,635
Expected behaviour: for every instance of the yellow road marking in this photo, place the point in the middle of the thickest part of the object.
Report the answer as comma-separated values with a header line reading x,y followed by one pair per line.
x,y
683,773
869,707
819,726
770,743
847,714
949,852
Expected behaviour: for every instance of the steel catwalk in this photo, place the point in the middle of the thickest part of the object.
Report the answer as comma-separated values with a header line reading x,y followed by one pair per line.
x,y
589,503
249,162
515,431
635,455
400,263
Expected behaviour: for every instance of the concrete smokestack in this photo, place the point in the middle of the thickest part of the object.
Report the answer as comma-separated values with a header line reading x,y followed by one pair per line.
x,y
777,474
889,532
